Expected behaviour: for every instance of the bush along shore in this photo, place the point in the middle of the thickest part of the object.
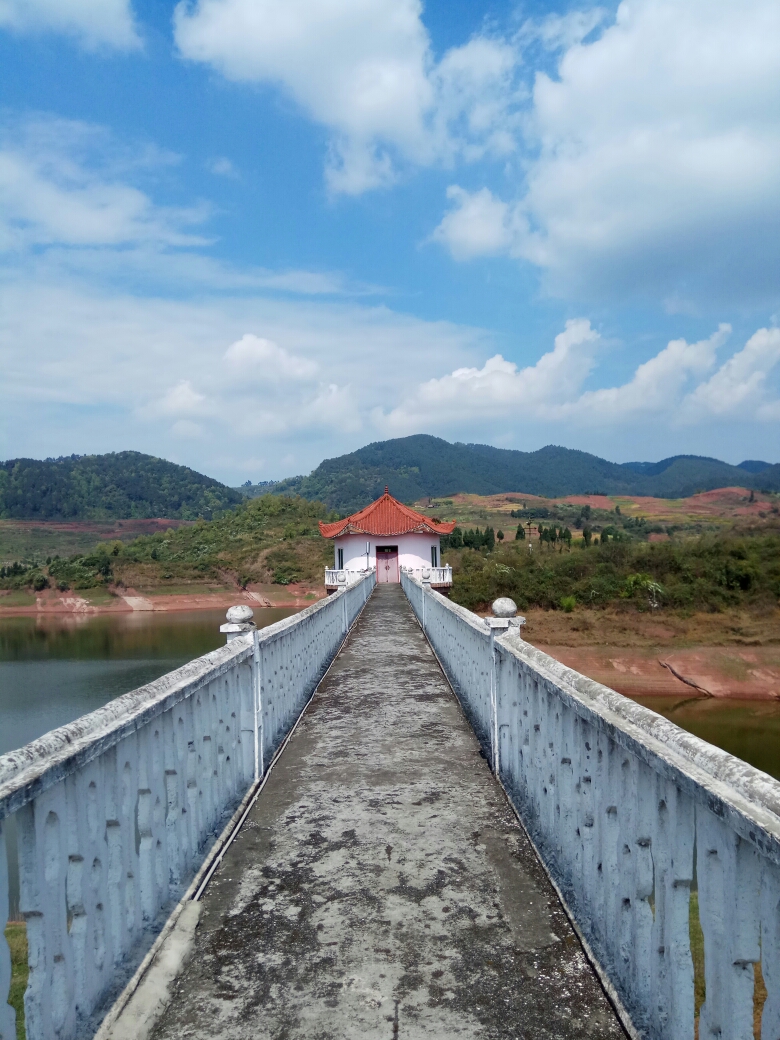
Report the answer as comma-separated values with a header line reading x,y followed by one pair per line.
x,y
708,573
270,539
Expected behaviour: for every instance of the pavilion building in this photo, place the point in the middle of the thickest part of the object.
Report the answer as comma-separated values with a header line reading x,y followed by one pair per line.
x,y
388,536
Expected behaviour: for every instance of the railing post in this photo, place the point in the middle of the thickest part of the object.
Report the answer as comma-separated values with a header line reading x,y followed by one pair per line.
x,y
504,611
257,699
495,755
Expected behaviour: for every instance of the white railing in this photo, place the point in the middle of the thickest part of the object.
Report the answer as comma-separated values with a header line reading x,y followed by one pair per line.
x,y
116,811
434,575
343,578
629,812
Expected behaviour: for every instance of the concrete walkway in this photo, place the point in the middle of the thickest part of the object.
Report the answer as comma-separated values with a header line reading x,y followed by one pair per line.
x,y
381,886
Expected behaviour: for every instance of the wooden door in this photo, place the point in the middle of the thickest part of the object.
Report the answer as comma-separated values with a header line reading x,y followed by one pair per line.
x,y
387,565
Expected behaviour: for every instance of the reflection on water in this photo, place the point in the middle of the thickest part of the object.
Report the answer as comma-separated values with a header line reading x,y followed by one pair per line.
x,y
55,669
748,729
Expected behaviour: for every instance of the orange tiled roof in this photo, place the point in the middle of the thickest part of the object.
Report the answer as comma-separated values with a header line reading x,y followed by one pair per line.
x,y
385,518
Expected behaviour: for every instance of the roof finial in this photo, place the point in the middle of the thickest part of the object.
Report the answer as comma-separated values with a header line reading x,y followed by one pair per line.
x,y
387,489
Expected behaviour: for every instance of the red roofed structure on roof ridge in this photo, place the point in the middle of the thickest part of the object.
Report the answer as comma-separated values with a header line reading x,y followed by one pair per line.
x,y
386,518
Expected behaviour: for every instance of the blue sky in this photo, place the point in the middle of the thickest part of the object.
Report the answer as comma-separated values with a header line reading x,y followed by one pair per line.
x,y
247,235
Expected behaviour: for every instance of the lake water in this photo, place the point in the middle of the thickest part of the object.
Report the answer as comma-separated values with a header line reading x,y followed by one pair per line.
x,y
55,669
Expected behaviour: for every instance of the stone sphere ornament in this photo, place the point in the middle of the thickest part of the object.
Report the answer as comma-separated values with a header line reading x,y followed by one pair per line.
x,y
504,607
240,615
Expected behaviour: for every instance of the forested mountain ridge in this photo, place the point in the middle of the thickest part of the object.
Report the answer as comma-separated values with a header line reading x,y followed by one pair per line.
x,y
419,466
119,485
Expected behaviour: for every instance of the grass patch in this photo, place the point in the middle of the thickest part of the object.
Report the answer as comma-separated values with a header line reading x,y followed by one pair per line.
x,y
185,590
96,597
17,599
16,937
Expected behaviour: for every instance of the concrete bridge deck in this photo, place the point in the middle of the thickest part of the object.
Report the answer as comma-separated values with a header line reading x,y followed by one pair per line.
x,y
381,886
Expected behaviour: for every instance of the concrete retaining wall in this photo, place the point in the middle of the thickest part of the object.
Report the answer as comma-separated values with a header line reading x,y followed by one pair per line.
x,y
629,812
116,811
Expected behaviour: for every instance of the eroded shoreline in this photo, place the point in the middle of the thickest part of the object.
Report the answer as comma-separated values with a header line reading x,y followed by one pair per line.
x,y
130,600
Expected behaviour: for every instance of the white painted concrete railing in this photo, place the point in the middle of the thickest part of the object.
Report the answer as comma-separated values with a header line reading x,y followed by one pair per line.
x,y
433,575
116,811
342,578
629,812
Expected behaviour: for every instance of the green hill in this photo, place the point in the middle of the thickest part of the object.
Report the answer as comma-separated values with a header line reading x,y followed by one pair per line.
x,y
419,466
120,485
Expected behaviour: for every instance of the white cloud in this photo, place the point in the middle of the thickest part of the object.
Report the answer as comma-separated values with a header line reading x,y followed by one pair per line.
x,y
211,381
479,224
657,158
560,32
364,70
657,384
740,383
181,399
222,167
252,355
671,387
499,388
95,23
68,200
64,182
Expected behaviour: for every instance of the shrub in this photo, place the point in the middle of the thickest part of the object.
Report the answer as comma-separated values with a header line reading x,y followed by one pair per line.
x,y
568,603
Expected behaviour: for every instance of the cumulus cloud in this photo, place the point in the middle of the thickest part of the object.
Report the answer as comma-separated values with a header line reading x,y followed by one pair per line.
x,y
656,384
95,23
254,356
741,383
479,224
181,399
364,70
499,388
673,386
657,158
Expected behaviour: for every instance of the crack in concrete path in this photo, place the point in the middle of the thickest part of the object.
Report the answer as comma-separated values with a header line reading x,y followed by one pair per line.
x,y
381,887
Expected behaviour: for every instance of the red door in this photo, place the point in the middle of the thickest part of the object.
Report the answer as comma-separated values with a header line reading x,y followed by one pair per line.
x,y
387,565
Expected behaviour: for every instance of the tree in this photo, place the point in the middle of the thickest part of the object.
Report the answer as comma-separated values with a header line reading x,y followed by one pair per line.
x,y
500,535
520,533
587,536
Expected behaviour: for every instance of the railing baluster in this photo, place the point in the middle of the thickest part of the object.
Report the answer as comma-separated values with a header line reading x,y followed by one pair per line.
x,y
728,903
7,1016
770,950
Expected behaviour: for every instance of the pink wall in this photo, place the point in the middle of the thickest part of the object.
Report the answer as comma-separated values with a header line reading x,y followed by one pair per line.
x,y
414,550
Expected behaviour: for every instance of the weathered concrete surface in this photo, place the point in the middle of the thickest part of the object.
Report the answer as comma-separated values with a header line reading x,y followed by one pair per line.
x,y
381,886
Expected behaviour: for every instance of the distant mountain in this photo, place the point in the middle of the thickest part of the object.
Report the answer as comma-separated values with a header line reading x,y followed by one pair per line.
x,y
419,466
107,487
754,466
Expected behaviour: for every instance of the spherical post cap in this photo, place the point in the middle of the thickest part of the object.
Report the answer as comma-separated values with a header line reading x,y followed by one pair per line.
x,y
240,615
504,607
